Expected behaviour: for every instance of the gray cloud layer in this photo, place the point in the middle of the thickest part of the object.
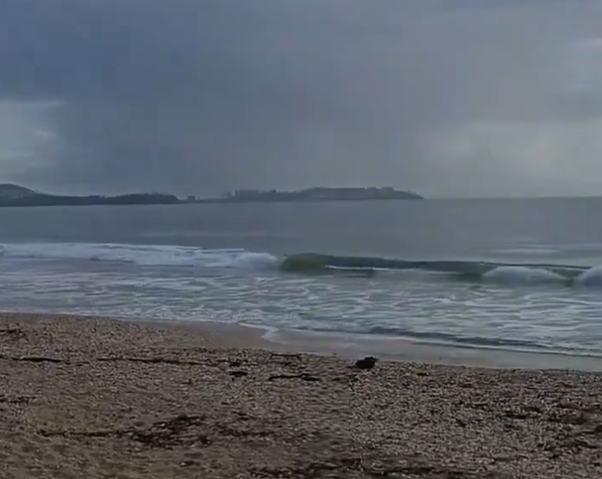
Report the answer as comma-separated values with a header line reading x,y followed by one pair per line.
x,y
447,97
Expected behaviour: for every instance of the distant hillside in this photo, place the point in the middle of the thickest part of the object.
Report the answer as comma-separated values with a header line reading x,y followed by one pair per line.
x,y
15,195
317,194
9,190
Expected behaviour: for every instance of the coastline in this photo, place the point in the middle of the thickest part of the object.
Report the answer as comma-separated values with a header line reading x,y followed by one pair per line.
x,y
12,195
387,348
406,350
95,397
348,346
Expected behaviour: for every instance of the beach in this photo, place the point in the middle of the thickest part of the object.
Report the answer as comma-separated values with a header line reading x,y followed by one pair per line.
x,y
99,398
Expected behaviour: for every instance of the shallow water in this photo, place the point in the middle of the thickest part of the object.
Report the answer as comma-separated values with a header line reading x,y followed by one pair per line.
x,y
514,274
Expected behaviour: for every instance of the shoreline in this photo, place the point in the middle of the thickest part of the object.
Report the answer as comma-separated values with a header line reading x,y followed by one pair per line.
x,y
387,348
98,397
353,346
405,350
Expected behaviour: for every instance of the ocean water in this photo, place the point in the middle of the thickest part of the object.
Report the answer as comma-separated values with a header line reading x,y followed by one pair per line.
x,y
508,274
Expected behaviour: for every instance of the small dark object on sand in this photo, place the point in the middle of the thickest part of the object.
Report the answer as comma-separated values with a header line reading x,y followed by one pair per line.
x,y
367,363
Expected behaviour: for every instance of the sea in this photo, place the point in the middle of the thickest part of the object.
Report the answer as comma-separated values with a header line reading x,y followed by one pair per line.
x,y
522,275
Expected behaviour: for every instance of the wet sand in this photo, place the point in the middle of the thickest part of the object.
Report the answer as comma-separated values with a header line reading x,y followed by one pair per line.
x,y
96,398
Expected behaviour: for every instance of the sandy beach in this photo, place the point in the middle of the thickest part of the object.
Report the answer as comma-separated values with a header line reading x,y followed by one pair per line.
x,y
97,398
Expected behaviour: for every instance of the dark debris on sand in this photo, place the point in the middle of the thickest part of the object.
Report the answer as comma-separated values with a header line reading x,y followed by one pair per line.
x,y
366,363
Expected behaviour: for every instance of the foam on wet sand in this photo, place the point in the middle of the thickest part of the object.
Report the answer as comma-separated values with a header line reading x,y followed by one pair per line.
x,y
83,397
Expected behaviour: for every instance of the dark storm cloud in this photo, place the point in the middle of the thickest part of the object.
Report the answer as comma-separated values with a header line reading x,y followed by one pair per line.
x,y
209,95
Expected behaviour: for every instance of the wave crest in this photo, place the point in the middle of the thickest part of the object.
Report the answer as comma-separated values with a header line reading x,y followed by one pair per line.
x,y
591,277
479,271
304,263
143,255
524,275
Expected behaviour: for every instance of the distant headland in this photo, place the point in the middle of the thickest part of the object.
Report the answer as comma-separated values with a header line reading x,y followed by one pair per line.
x,y
15,195
312,194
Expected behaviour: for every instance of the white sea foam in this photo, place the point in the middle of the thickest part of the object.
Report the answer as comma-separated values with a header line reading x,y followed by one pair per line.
x,y
591,277
435,310
144,255
523,275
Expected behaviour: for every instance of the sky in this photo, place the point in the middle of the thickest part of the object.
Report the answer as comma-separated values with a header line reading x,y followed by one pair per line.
x,y
449,98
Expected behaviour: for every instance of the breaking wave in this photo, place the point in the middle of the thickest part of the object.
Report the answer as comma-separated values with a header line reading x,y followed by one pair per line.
x,y
143,255
557,311
306,263
481,271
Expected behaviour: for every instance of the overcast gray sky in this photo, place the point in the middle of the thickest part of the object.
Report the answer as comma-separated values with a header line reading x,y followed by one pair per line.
x,y
449,97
